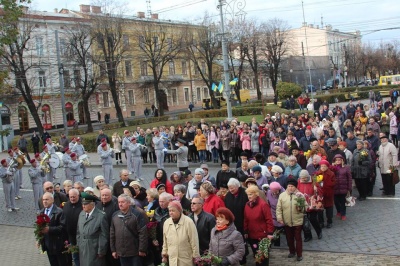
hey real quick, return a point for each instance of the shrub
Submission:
(287, 89)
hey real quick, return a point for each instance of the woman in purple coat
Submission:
(275, 189)
(343, 185)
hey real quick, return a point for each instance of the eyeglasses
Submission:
(194, 203)
(49, 188)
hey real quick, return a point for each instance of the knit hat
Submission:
(135, 183)
(204, 166)
(250, 180)
(98, 178)
(199, 171)
(282, 151)
(273, 154)
(88, 189)
(304, 173)
(292, 182)
(338, 156)
(256, 168)
(276, 169)
(175, 204)
(324, 162)
(275, 186)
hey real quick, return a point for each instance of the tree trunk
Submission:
(87, 114)
(259, 93)
(22, 87)
(114, 94)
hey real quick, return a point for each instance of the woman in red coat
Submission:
(161, 178)
(258, 223)
(328, 191)
(211, 201)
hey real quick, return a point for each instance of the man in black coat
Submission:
(204, 222)
(54, 233)
(122, 186)
(334, 150)
(305, 142)
(224, 174)
(58, 197)
(70, 217)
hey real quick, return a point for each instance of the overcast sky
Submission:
(370, 17)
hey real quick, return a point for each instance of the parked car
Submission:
(310, 88)
(330, 84)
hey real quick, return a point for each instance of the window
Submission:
(128, 68)
(125, 40)
(206, 93)
(169, 41)
(174, 96)
(171, 67)
(198, 94)
(42, 79)
(39, 46)
(186, 92)
(141, 42)
(106, 102)
(103, 69)
(196, 70)
(155, 42)
(146, 95)
(143, 68)
(67, 79)
(77, 78)
(100, 40)
(63, 47)
(184, 68)
(203, 68)
(131, 97)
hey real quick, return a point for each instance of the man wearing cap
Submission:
(388, 157)
(75, 168)
(92, 234)
(181, 155)
(106, 156)
(66, 158)
(334, 150)
(126, 141)
(54, 233)
(136, 155)
(36, 175)
(224, 174)
(158, 142)
(79, 150)
(7, 178)
(128, 233)
(99, 147)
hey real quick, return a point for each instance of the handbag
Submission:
(350, 201)
(212, 142)
(395, 177)
(306, 224)
(315, 203)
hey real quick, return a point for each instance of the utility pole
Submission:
(61, 79)
(227, 88)
(304, 67)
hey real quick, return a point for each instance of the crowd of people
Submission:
(283, 175)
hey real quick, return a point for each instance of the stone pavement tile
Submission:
(18, 247)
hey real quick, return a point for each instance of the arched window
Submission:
(46, 117)
(69, 109)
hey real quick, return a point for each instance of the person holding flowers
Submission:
(327, 185)
(289, 213)
(360, 169)
(258, 222)
(343, 185)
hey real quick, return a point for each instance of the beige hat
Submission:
(277, 169)
(89, 189)
(133, 183)
(98, 178)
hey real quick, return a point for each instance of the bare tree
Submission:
(79, 50)
(203, 48)
(275, 44)
(16, 31)
(159, 45)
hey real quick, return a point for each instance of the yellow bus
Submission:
(389, 80)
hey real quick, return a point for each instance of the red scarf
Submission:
(221, 228)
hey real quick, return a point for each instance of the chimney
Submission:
(154, 16)
(140, 15)
(96, 9)
(55, 10)
(85, 8)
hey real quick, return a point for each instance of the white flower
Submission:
(388, 171)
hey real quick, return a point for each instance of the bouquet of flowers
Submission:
(70, 249)
(207, 259)
(363, 155)
(300, 202)
(264, 245)
(42, 220)
(391, 169)
(318, 178)
(152, 227)
(62, 205)
(307, 154)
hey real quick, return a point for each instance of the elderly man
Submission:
(36, 175)
(58, 197)
(204, 222)
(70, 217)
(161, 214)
(92, 233)
(128, 233)
(388, 160)
(136, 154)
(79, 186)
(53, 233)
(122, 186)
(106, 156)
(7, 178)
(182, 155)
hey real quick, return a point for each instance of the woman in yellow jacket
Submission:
(200, 143)
(292, 216)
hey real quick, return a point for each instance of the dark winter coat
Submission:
(205, 223)
(360, 169)
(70, 219)
(343, 180)
(53, 241)
(236, 204)
(223, 177)
(328, 187)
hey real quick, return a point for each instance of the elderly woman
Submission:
(343, 185)
(258, 223)
(181, 241)
(292, 218)
(152, 199)
(191, 186)
(327, 187)
(99, 182)
(314, 166)
(278, 176)
(293, 169)
(211, 201)
(360, 169)
(243, 172)
(306, 186)
(160, 177)
(226, 242)
(140, 196)
(176, 178)
(275, 189)
(282, 157)
(372, 167)
(180, 195)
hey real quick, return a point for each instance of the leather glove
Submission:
(225, 262)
